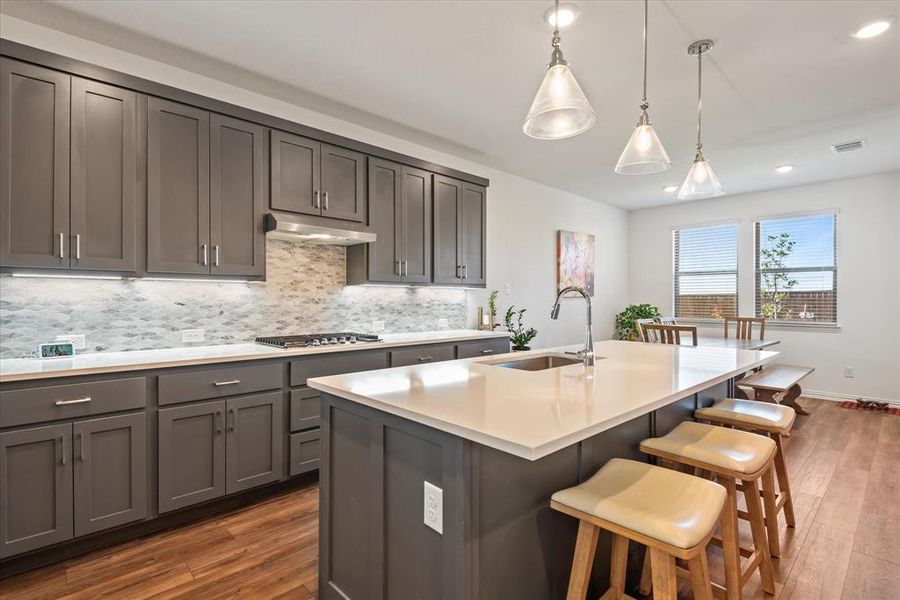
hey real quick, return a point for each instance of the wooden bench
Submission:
(779, 384)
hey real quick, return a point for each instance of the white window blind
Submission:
(796, 269)
(706, 271)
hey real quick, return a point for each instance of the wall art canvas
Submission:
(575, 260)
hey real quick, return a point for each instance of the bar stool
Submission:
(731, 455)
(773, 420)
(672, 513)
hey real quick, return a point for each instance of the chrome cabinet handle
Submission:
(458, 276)
(399, 267)
(77, 401)
(233, 417)
(465, 272)
(325, 195)
(425, 358)
(204, 248)
(77, 246)
(487, 351)
(316, 199)
(82, 449)
(219, 422)
(406, 267)
(216, 255)
(62, 245)
(229, 382)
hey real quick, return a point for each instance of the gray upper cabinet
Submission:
(191, 454)
(177, 188)
(237, 197)
(34, 166)
(255, 441)
(473, 226)
(104, 177)
(35, 488)
(110, 469)
(447, 239)
(384, 254)
(312, 178)
(415, 225)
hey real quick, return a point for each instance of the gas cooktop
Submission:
(317, 339)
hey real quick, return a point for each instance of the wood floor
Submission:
(845, 473)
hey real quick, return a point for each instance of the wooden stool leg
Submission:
(730, 541)
(617, 568)
(700, 582)
(784, 485)
(645, 585)
(768, 486)
(758, 527)
(585, 548)
(665, 581)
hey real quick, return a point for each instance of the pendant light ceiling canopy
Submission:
(560, 109)
(701, 182)
(644, 153)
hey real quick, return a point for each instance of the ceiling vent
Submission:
(848, 146)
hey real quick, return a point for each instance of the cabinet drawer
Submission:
(482, 348)
(306, 409)
(421, 354)
(33, 405)
(337, 363)
(305, 451)
(218, 382)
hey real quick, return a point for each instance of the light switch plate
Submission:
(193, 335)
(508, 289)
(434, 507)
(77, 340)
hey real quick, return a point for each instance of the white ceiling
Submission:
(784, 81)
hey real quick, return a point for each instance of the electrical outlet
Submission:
(508, 289)
(193, 335)
(377, 326)
(443, 323)
(77, 340)
(850, 372)
(434, 507)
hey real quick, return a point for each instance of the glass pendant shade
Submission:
(700, 182)
(560, 109)
(644, 153)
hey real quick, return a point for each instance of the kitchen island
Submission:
(497, 436)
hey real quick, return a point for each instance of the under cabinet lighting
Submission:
(186, 280)
(66, 276)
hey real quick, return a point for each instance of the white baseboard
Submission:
(844, 397)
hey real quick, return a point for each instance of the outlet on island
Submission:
(434, 507)
(189, 336)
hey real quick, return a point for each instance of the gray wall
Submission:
(304, 293)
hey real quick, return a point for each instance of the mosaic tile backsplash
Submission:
(304, 293)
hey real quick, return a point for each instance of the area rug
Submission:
(872, 406)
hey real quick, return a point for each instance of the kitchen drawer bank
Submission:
(93, 460)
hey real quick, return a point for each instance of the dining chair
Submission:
(639, 326)
(745, 327)
(666, 320)
(658, 333)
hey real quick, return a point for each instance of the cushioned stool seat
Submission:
(727, 449)
(672, 507)
(763, 416)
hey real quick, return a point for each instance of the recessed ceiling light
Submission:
(670, 188)
(784, 168)
(567, 14)
(870, 30)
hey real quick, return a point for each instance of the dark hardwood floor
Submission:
(845, 473)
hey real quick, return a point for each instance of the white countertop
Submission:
(534, 413)
(21, 369)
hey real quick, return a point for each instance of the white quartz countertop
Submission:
(534, 413)
(22, 369)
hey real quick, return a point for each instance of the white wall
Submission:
(868, 276)
(523, 216)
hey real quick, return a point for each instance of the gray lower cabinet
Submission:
(255, 444)
(35, 488)
(482, 348)
(110, 470)
(191, 454)
(306, 449)
(419, 355)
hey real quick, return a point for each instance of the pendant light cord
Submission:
(644, 104)
(699, 99)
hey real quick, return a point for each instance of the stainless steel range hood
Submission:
(285, 226)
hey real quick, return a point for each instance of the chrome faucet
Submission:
(587, 355)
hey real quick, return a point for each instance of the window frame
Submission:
(736, 271)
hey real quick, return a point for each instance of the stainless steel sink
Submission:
(538, 363)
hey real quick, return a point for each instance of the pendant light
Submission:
(644, 153)
(700, 182)
(560, 109)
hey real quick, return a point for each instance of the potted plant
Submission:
(625, 326)
(518, 334)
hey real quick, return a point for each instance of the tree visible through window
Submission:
(706, 271)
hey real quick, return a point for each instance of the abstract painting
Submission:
(575, 260)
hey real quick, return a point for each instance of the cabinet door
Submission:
(191, 454)
(255, 441)
(343, 184)
(295, 174)
(110, 462)
(415, 225)
(177, 188)
(104, 177)
(473, 231)
(237, 190)
(384, 254)
(35, 488)
(34, 166)
(447, 250)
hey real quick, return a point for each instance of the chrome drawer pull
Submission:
(487, 351)
(230, 382)
(425, 358)
(78, 401)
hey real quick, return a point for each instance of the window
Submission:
(706, 272)
(796, 272)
